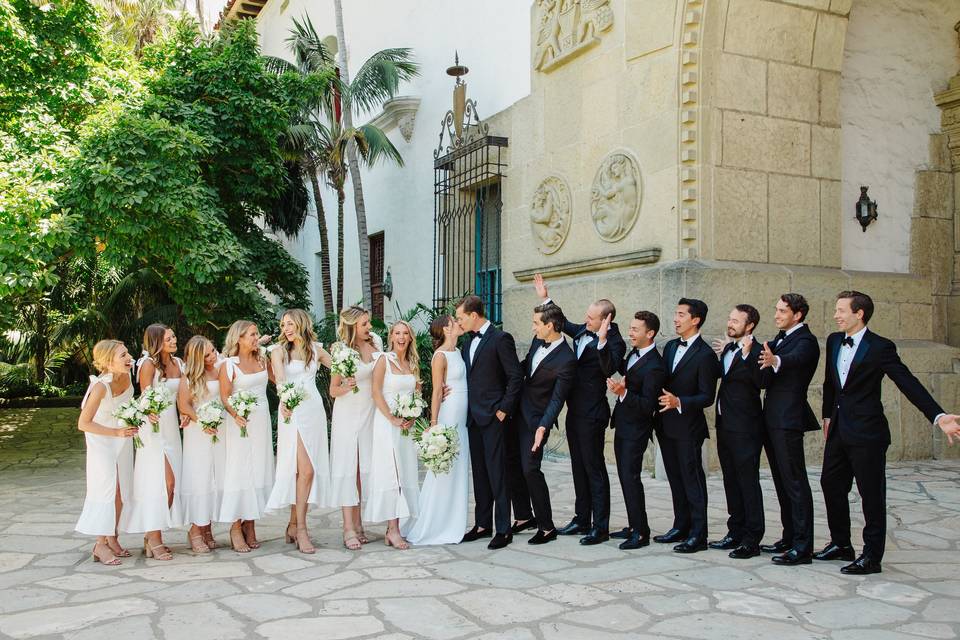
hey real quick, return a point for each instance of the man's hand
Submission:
(668, 401)
(538, 438)
(604, 328)
(720, 344)
(747, 345)
(446, 392)
(540, 286)
(501, 416)
(826, 428)
(617, 387)
(767, 359)
(950, 425)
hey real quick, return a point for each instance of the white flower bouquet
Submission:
(154, 401)
(345, 361)
(130, 414)
(291, 395)
(409, 406)
(243, 402)
(437, 447)
(210, 417)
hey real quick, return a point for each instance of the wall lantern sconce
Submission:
(866, 209)
(388, 285)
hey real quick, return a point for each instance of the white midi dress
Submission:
(200, 490)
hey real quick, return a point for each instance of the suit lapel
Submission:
(642, 358)
(546, 359)
(858, 357)
(484, 339)
(691, 348)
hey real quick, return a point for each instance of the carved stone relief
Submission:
(550, 213)
(567, 27)
(615, 197)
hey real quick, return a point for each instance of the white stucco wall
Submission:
(898, 54)
(493, 39)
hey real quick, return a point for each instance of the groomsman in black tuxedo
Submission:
(787, 364)
(856, 431)
(740, 433)
(634, 415)
(494, 378)
(549, 371)
(692, 372)
(588, 414)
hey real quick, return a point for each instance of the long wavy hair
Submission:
(305, 335)
(231, 344)
(347, 330)
(436, 330)
(195, 366)
(411, 356)
(153, 337)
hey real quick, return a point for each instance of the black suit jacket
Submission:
(494, 378)
(635, 417)
(739, 394)
(785, 404)
(855, 410)
(588, 399)
(546, 389)
(694, 382)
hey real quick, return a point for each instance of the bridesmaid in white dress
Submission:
(155, 505)
(394, 477)
(248, 469)
(444, 499)
(352, 424)
(303, 461)
(109, 450)
(198, 484)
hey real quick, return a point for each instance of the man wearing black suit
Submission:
(691, 385)
(856, 431)
(787, 366)
(494, 378)
(549, 371)
(634, 415)
(740, 433)
(588, 414)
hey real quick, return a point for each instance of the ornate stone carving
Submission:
(566, 28)
(550, 213)
(615, 197)
(399, 112)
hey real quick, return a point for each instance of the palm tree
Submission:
(137, 23)
(378, 80)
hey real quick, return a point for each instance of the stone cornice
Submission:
(606, 263)
(400, 112)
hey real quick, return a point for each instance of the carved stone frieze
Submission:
(550, 213)
(615, 196)
(565, 28)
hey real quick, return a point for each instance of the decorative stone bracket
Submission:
(400, 112)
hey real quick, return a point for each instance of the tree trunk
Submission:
(42, 345)
(362, 236)
(201, 17)
(341, 198)
(328, 306)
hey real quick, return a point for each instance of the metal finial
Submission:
(457, 70)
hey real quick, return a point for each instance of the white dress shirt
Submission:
(632, 360)
(682, 350)
(846, 355)
(542, 353)
(728, 356)
(776, 359)
(582, 343)
(476, 340)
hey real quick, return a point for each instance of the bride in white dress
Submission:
(444, 499)
(394, 479)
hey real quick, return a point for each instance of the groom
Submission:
(494, 379)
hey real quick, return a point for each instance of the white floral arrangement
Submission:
(130, 414)
(437, 446)
(409, 406)
(291, 395)
(344, 361)
(210, 417)
(154, 401)
(243, 402)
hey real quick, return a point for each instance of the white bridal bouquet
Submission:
(344, 361)
(439, 447)
(154, 401)
(409, 406)
(243, 403)
(291, 395)
(210, 417)
(130, 414)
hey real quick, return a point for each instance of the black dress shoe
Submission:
(861, 566)
(518, 526)
(543, 538)
(475, 534)
(635, 542)
(726, 543)
(791, 558)
(777, 547)
(836, 552)
(573, 529)
(745, 551)
(623, 534)
(674, 535)
(500, 541)
(691, 545)
(596, 536)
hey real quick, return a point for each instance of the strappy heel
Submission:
(122, 553)
(362, 536)
(253, 544)
(112, 562)
(242, 546)
(290, 539)
(302, 549)
(197, 547)
(402, 545)
(351, 536)
(209, 540)
(151, 551)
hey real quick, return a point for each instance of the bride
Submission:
(442, 516)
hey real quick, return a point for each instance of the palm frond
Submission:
(379, 146)
(308, 48)
(380, 76)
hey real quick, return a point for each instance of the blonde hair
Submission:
(104, 352)
(305, 333)
(195, 366)
(231, 344)
(412, 357)
(347, 331)
(153, 337)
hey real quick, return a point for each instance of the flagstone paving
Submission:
(50, 588)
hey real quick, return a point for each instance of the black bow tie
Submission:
(633, 352)
(731, 346)
(682, 343)
(474, 334)
(590, 334)
(847, 341)
(780, 336)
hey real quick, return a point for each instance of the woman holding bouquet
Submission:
(444, 499)
(352, 421)
(303, 462)
(109, 450)
(394, 479)
(203, 449)
(155, 505)
(248, 469)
